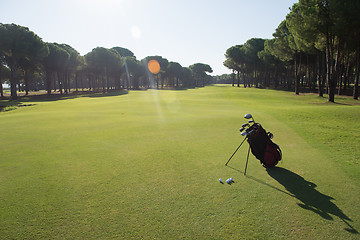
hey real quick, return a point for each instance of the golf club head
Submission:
(245, 125)
(251, 121)
(248, 116)
(242, 129)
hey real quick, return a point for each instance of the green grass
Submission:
(145, 165)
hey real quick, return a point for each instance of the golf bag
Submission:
(262, 147)
(260, 144)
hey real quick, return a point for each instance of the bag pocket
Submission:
(272, 155)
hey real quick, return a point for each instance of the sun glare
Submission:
(154, 66)
(136, 32)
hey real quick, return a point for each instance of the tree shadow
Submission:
(310, 198)
(22, 101)
(101, 94)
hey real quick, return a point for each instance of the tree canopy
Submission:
(56, 67)
(318, 42)
(19, 46)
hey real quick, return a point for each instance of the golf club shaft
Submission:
(235, 151)
(247, 159)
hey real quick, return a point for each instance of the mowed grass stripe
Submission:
(146, 165)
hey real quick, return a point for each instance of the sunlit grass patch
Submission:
(145, 165)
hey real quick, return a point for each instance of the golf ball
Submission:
(220, 180)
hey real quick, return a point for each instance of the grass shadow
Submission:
(175, 88)
(303, 190)
(106, 94)
(260, 181)
(12, 105)
(7, 104)
(311, 199)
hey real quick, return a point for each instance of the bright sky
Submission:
(183, 31)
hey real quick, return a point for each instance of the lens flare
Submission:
(136, 32)
(154, 66)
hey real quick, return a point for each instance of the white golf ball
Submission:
(220, 180)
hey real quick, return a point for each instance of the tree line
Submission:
(27, 63)
(316, 47)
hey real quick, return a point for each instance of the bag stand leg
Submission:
(247, 159)
(235, 151)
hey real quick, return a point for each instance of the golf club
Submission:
(248, 116)
(271, 136)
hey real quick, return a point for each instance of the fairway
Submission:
(146, 164)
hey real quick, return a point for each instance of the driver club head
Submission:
(248, 116)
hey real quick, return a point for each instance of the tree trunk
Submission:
(1, 86)
(26, 79)
(347, 73)
(314, 75)
(107, 83)
(54, 79)
(276, 77)
(321, 73)
(60, 82)
(66, 82)
(89, 82)
(341, 79)
(289, 79)
(1, 90)
(103, 83)
(255, 77)
(356, 83)
(329, 68)
(233, 78)
(76, 81)
(307, 73)
(162, 82)
(48, 82)
(250, 79)
(337, 73)
(238, 78)
(297, 71)
(13, 81)
(244, 79)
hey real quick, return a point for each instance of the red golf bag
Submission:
(262, 147)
